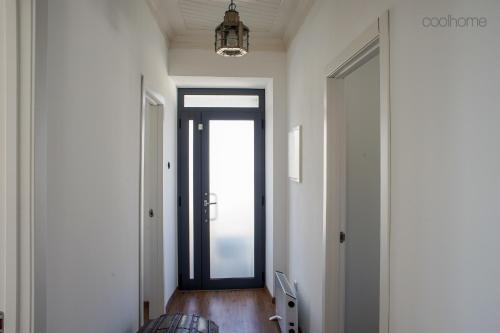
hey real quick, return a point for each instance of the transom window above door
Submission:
(221, 101)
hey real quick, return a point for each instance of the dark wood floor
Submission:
(234, 311)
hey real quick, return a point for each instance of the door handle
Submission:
(151, 213)
(207, 203)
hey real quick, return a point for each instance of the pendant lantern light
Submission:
(231, 36)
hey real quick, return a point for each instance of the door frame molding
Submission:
(375, 39)
(147, 96)
(17, 161)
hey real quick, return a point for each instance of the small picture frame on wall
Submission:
(294, 154)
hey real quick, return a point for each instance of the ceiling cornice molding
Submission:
(162, 21)
(297, 19)
(204, 41)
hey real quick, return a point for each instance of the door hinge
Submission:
(200, 127)
(180, 124)
(263, 201)
(179, 201)
(180, 279)
(263, 124)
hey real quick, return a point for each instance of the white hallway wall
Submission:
(256, 64)
(90, 55)
(445, 161)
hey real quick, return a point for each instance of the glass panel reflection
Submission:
(231, 172)
(191, 195)
(221, 101)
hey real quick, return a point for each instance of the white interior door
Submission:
(362, 227)
(153, 210)
(9, 165)
(3, 113)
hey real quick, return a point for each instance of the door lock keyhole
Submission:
(151, 213)
(342, 237)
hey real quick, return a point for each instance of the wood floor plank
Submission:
(234, 311)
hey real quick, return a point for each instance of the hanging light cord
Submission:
(232, 5)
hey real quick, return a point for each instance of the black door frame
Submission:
(201, 182)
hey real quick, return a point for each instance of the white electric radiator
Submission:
(286, 304)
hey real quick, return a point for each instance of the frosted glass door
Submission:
(231, 198)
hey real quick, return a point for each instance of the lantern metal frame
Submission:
(232, 36)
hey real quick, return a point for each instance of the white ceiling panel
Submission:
(193, 21)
